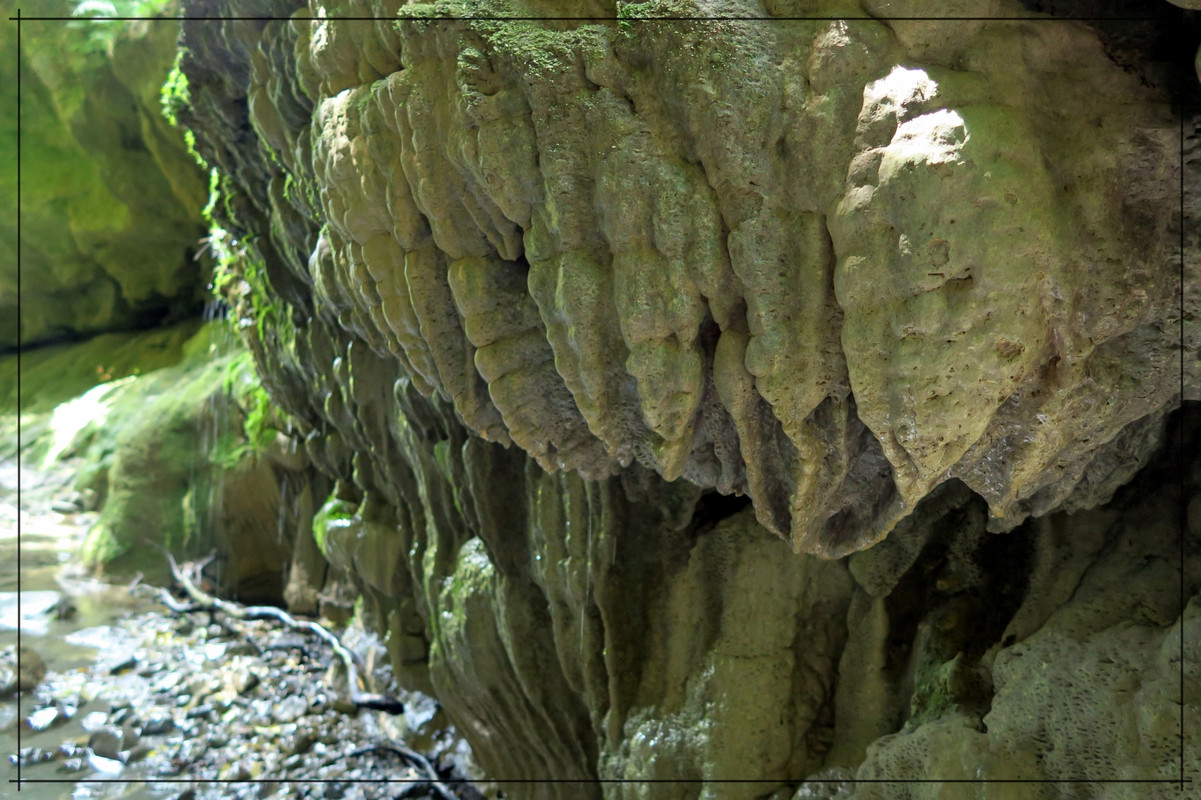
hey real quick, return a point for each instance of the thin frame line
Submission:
(18, 18)
(493, 18)
(772, 781)
(1183, 510)
(20, 571)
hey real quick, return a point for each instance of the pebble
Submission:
(107, 741)
(43, 718)
(72, 765)
(137, 753)
(93, 721)
(204, 711)
(244, 680)
(289, 709)
(30, 755)
(105, 766)
(302, 742)
(30, 673)
(158, 723)
(65, 507)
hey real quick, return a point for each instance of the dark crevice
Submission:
(712, 508)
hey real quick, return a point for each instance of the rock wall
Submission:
(591, 321)
(110, 198)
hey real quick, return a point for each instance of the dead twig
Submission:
(416, 759)
(355, 694)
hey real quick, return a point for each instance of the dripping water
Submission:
(207, 478)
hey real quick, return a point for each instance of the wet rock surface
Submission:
(178, 709)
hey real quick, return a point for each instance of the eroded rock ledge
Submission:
(828, 265)
(545, 296)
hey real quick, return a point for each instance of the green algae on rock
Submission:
(110, 197)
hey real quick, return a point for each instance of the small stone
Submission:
(107, 742)
(72, 765)
(200, 686)
(105, 766)
(137, 753)
(124, 665)
(65, 507)
(302, 742)
(151, 669)
(43, 718)
(20, 674)
(237, 771)
(203, 711)
(31, 755)
(289, 709)
(130, 729)
(167, 682)
(64, 609)
(93, 721)
(158, 723)
(244, 680)
(69, 750)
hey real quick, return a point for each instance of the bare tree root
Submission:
(417, 760)
(204, 601)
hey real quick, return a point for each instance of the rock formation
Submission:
(110, 198)
(591, 320)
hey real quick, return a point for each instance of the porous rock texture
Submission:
(110, 199)
(554, 300)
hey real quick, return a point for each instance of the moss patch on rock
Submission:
(110, 197)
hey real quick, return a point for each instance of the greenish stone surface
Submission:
(586, 323)
(110, 198)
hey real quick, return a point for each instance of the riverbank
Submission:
(137, 702)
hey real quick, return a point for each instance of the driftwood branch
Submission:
(203, 600)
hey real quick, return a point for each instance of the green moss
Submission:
(174, 95)
(53, 375)
(334, 512)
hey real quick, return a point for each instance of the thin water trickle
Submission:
(206, 478)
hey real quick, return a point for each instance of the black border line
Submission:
(1181, 779)
(20, 571)
(1183, 510)
(455, 781)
